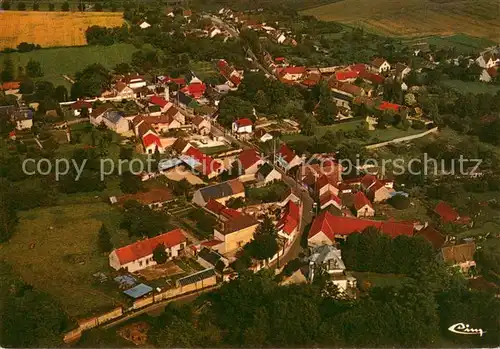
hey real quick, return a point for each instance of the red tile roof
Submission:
(12, 85)
(248, 158)
(195, 90)
(359, 67)
(178, 81)
(243, 122)
(446, 212)
(279, 59)
(151, 138)
(360, 200)
(210, 243)
(207, 163)
(293, 70)
(346, 75)
(329, 196)
(436, 239)
(214, 206)
(290, 219)
(287, 154)
(493, 71)
(389, 106)
(332, 225)
(374, 78)
(144, 248)
(154, 195)
(81, 104)
(158, 101)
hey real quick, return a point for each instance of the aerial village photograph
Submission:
(249, 174)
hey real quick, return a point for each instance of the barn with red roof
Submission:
(327, 227)
(139, 255)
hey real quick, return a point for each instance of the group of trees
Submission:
(254, 311)
(142, 221)
(97, 35)
(91, 81)
(30, 318)
(377, 252)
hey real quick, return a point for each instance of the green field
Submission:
(203, 69)
(471, 87)
(55, 250)
(461, 42)
(68, 60)
(375, 136)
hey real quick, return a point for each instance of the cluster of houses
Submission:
(282, 36)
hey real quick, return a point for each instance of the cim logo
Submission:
(462, 328)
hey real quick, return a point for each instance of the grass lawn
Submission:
(55, 249)
(416, 210)
(203, 69)
(68, 60)
(472, 87)
(461, 42)
(215, 150)
(376, 136)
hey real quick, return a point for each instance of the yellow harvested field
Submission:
(49, 29)
(411, 18)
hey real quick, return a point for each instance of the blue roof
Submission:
(113, 116)
(165, 164)
(138, 291)
(125, 280)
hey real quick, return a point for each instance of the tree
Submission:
(27, 87)
(65, 6)
(6, 5)
(326, 109)
(159, 254)
(104, 240)
(91, 82)
(235, 203)
(21, 6)
(61, 94)
(130, 183)
(232, 108)
(98, 7)
(125, 152)
(399, 202)
(51, 7)
(7, 73)
(265, 244)
(181, 188)
(8, 219)
(34, 69)
(30, 318)
(141, 220)
(36, 6)
(122, 68)
(410, 99)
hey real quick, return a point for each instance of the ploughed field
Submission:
(415, 18)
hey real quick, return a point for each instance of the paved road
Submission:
(236, 34)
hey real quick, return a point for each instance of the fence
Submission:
(402, 139)
(96, 321)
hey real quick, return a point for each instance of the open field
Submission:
(460, 42)
(55, 250)
(57, 62)
(49, 29)
(412, 18)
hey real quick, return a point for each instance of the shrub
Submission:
(418, 125)
(399, 202)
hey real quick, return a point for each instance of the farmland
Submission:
(413, 18)
(471, 87)
(55, 250)
(68, 60)
(49, 29)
